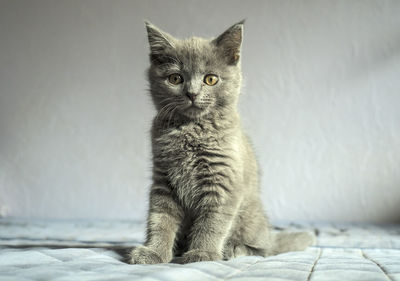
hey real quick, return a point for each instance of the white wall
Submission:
(321, 102)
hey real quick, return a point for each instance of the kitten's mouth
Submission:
(194, 106)
(193, 110)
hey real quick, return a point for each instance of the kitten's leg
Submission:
(208, 234)
(252, 235)
(236, 248)
(249, 241)
(164, 219)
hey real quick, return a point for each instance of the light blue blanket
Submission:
(87, 250)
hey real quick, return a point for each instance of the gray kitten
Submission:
(204, 200)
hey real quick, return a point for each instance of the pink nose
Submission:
(191, 96)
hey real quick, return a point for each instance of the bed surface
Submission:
(94, 250)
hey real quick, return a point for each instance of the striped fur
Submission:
(204, 201)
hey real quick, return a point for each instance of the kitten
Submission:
(205, 197)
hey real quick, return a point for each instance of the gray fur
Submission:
(204, 200)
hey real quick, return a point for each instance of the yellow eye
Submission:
(211, 79)
(175, 79)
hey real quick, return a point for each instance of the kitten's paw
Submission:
(293, 241)
(199, 255)
(241, 250)
(145, 255)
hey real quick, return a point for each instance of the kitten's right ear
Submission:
(159, 41)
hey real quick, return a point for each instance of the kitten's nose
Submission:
(191, 96)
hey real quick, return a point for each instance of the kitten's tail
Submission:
(292, 241)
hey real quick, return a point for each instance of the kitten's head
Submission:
(195, 77)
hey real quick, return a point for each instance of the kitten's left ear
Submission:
(230, 42)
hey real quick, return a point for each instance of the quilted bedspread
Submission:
(96, 250)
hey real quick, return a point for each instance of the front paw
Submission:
(197, 255)
(145, 255)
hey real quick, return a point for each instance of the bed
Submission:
(96, 250)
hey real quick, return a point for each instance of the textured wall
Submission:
(321, 102)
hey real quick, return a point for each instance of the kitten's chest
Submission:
(176, 149)
(188, 156)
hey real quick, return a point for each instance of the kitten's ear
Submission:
(230, 42)
(159, 41)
